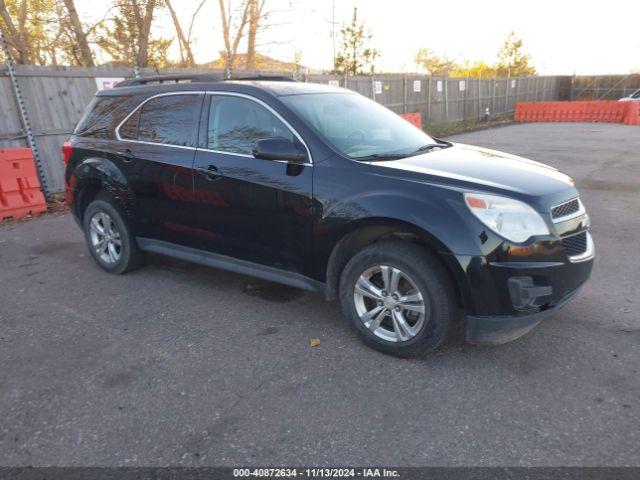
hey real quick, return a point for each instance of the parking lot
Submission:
(178, 364)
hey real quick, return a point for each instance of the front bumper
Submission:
(508, 292)
(505, 328)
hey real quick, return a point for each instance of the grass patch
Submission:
(441, 130)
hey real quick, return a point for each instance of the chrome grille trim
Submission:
(587, 254)
(567, 210)
(575, 244)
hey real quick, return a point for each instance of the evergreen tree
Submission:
(355, 57)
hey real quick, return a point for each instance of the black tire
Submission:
(430, 278)
(130, 256)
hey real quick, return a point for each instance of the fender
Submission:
(435, 220)
(102, 174)
(439, 216)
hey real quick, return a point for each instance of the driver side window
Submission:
(235, 123)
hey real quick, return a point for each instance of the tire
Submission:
(125, 255)
(422, 280)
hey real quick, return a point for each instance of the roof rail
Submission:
(200, 77)
(270, 78)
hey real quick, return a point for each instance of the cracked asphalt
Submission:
(178, 364)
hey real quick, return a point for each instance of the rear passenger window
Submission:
(102, 116)
(168, 119)
(235, 123)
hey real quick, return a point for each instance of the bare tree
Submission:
(145, 30)
(125, 36)
(256, 12)
(16, 36)
(186, 55)
(232, 39)
(80, 35)
(193, 19)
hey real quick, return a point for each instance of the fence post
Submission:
(465, 108)
(538, 86)
(373, 88)
(428, 99)
(446, 96)
(136, 68)
(572, 87)
(506, 93)
(24, 116)
(479, 95)
(405, 107)
(493, 95)
(538, 91)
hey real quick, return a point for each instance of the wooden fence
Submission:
(55, 98)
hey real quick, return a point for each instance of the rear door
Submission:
(252, 209)
(157, 148)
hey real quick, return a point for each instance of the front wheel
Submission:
(398, 297)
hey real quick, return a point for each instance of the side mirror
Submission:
(278, 148)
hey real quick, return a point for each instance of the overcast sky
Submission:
(562, 36)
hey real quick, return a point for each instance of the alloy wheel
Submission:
(389, 303)
(105, 237)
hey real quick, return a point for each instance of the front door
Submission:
(252, 209)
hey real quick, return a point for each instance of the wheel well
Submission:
(87, 195)
(363, 236)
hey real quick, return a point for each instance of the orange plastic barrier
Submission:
(582, 111)
(413, 118)
(632, 116)
(19, 185)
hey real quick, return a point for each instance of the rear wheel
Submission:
(398, 297)
(109, 238)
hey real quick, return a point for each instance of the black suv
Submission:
(323, 189)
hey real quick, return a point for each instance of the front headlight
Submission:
(514, 220)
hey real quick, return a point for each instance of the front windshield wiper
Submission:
(431, 146)
(382, 156)
(398, 156)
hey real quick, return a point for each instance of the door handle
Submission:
(126, 154)
(210, 172)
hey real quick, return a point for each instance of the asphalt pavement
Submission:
(178, 364)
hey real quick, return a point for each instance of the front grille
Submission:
(565, 209)
(575, 244)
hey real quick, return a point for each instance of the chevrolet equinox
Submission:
(323, 189)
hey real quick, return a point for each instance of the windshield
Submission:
(358, 127)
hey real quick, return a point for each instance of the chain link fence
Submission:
(600, 87)
(442, 99)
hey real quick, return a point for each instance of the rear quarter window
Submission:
(102, 116)
(129, 129)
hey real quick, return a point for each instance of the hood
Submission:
(487, 168)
